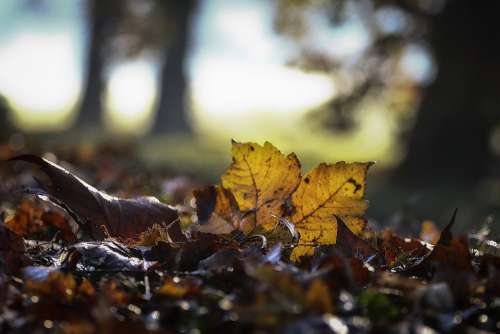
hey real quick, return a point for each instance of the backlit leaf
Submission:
(261, 179)
(325, 192)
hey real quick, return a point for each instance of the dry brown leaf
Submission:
(217, 210)
(30, 219)
(98, 213)
(156, 233)
(27, 220)
(449, 253)
(351, 245)
(319, 297)
(12, 250)
(60, 222)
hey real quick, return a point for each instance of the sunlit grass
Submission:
(374, 138)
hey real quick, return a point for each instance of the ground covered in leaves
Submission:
(268, 250)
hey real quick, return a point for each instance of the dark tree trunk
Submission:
(450, 140)
(172, 116)
(91, 105)
(5, 125)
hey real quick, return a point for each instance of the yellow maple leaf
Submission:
(261, 179)
(327, 191)
(267, 185)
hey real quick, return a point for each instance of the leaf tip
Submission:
(28, 158)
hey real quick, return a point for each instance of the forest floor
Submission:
(403, 273)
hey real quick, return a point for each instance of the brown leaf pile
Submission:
(225, 265)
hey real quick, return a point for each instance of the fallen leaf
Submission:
(345, 273)
(400, 253)
(60, 222)
(156, 233)
(267, 188)
(455, 255)
(261, 179)
(450, 253)
(184, 280)
(280, 284)
(351, 245)
(446, 235)
(27, 220)
(325, 192)
(31, 219)
(283, 231)
(217, 210)
(98, 213)
(105, 256)
(152, 236)
(318, 297)
(205, 199)
(12, 250)
(220, 260)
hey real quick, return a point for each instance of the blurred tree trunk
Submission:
(450, 140)
(91, 106)
(6, 128)
(172, 114)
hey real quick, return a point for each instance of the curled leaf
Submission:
(96, 212)
(103, 256)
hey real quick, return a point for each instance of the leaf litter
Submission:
(267, 250)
